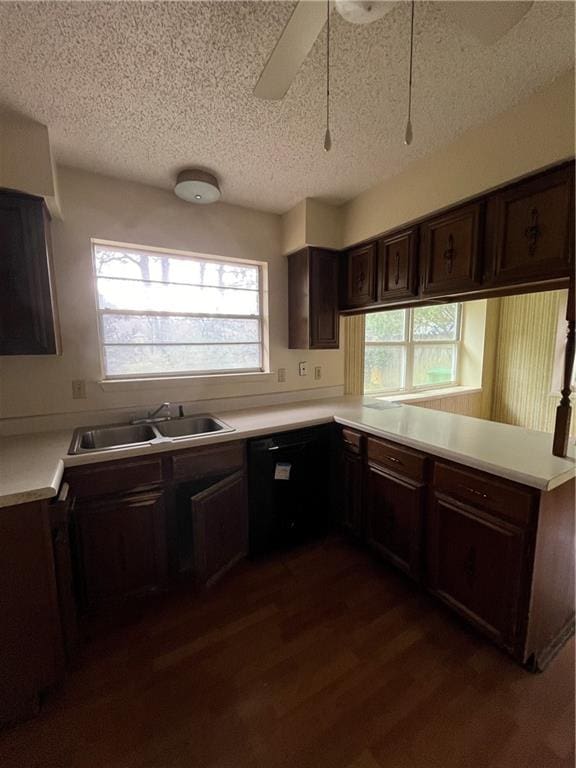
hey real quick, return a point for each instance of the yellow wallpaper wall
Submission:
(353, 328)
(525, 360)
(466, 404)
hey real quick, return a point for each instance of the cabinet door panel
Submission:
(351, 468)
(450, 251)
(26, 298)
(475, 564)
(534, 224)
(324, 317)
(360, 288)
(220, 526)
(397, 267)
(394, 519)
(122, 542)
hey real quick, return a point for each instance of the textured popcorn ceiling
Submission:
(139, 90)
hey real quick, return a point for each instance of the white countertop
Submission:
(31, 466)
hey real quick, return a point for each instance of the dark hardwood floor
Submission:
(322, 658)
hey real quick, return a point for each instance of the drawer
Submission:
(113, 476)
(211, 460)
(352, 441)
(401, 461)
(485, 492)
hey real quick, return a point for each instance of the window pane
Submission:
(147, 359)
(434, 364)
(133, 294)
(386, 326)
(142, 329)
(383, 368)
(435, 323)
(135, 265)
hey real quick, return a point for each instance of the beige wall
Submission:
(526, 344)
(100, 207)
(311, 222)
(536, 133)
(26, 159)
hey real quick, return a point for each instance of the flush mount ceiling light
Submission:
(197, 186)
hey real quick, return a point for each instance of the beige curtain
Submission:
(354, 354)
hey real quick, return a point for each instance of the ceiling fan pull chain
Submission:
(327, 136)
(409, 135)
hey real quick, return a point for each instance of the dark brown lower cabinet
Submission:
(220, 526)
(475, 565)
(394, 518)
(122, 546)
(350, 501)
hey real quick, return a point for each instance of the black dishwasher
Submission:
(289, 488)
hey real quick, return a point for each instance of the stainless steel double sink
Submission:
(106, 438)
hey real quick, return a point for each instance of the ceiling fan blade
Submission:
(489, 20)
(293, 46)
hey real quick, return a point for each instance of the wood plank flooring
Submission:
(323, 658)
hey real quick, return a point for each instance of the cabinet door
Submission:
(398, 266)
(122, 546)
(450, 251)
(26, 295)
(394, 519)
(360, 288)
(351, 479)
(475, 565)
(220, 527)
(324, 317)
(533, 228)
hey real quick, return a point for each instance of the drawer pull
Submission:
(474, 492)
(350, 443)
(394, 459)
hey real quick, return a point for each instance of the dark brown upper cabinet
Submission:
(27, 305)
(398, 266)
(532, 228)
(450, 248)
(313, 299)
(359, 288)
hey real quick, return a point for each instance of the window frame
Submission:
(408, 344)
(262, 317)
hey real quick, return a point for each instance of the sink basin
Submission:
(190, 426)
(89, 439)
(105, 438)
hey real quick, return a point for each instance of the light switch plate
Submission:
(317, 372)
(303, 369)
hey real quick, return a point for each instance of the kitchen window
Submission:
(166, 314)
(410, 350)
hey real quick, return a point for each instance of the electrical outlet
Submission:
(78, 389)
(281, 375)
(303, 369)
(317, 372)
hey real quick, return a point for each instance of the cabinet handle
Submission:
(394, 459)
(533, 232)
(64, 490)
(360, 281)
(449, 254)
(474, 492)
(351, 444)
(397, 276)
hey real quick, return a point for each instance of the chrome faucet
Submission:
(153, 415)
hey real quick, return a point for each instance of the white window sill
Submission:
(124, 385)
(429, 394)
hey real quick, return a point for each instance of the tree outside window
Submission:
(408, 350)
